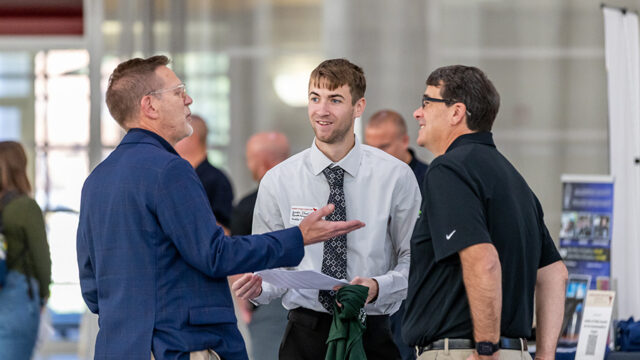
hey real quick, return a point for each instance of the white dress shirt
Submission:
(379, 189)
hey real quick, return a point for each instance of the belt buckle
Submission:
(421, 349)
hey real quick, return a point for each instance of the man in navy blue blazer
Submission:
(153, 263)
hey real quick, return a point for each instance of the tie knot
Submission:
(334, 175)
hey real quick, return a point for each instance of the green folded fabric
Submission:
(348, 325)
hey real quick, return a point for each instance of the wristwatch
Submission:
(486, 348)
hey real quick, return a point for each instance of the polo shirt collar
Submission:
(481, 137)
(350, 163)
(138, 135)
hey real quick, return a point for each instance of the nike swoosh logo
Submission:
(448, 236)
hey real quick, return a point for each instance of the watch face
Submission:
(485, 348)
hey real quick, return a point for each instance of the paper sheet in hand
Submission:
(300, 279)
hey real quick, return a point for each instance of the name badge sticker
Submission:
(300, 212)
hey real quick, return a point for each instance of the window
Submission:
(206, 76)
(61, 90)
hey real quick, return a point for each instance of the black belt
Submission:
(466, 344)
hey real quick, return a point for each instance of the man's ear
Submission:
(359, 107)
(148, 108)
(459, 113)
(405, 140)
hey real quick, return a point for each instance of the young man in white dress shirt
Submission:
(373, 186)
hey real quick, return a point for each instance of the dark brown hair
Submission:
(332, 74)
(129, 82)
(13, 168)
(470, 86)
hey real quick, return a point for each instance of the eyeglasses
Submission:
(181, 87)
(426, 99)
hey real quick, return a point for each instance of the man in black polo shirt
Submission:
(480, 247)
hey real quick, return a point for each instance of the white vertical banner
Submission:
(623, 83)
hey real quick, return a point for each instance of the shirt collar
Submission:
(483, 137)
(138, 134)
(350, 163)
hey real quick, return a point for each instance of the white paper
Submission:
(300, 279)
(595, 325)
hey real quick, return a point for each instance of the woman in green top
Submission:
(27, 283)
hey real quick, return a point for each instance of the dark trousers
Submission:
(305, 337)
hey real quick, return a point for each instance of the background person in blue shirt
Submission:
(153, 263)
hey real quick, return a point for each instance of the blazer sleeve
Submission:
(184, 215)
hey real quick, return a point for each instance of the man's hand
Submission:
(372, 284)
(314, 229)
(249, 286)
(244, 306)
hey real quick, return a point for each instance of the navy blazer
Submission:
(153, 263)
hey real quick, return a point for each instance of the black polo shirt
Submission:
(473, 195)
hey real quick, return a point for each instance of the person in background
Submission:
(266, 322)
(363, 182)
(216, 184)
(387, 131)
(153, 263)
(264, 151)
(26, 288)
(480, 247)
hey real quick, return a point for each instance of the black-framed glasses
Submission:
(427, 99)
(181, 87)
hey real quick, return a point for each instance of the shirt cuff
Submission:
(265, 296)
(387, 293)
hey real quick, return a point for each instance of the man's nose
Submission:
(323, 108)
(417, 114)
